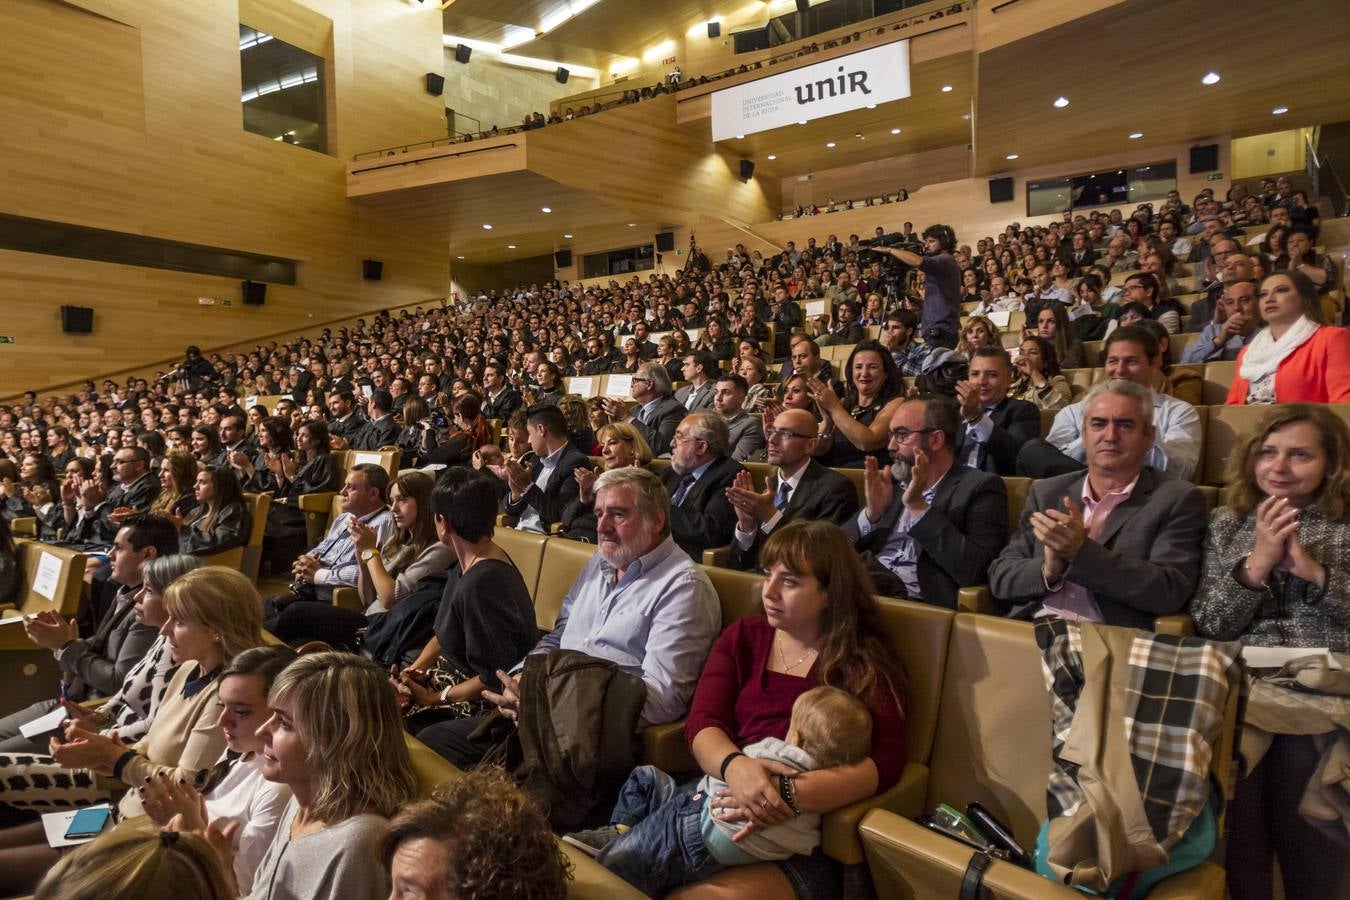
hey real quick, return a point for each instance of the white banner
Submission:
(861, 79)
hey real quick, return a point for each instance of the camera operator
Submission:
(942, 284)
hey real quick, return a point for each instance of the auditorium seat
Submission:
(1225, 426)
(53, 578)
(561, 563)
(241, 558)
(1218, 379)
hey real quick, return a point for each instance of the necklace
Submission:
(782, 661)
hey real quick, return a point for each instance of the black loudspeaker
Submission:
(255, 293)
(435, 84)
(372, 269)
(562, 259)
(1000, 190)
(665, 241)
(1204, 158)
(747, 170)
(803, 5)
(561, 75)
(77, 319)
(714, 29)
(462, 53)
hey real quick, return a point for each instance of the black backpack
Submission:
(403, 631)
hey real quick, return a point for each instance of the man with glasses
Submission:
(1210, 279)
(700, 473)
(934, 527)
(93, 516)
(801, 488)
(657, 414)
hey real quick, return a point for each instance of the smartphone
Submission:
(89, 823)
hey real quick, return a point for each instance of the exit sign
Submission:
(6, 339)
(1214, 176)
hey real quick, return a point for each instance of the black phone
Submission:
(999, 835)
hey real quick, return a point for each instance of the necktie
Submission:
(685, 484)
(780, 501)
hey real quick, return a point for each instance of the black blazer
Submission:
(1015, 423)
(139, 495)
(705, 517)
(661, 424)
(503, 405)
(963, 531)
(377, 434)
(560, 489)
(821, 494)
(231, 529)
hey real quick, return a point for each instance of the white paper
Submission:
(55, 825)
(1278, 657)
(583, 386)
(43, 724)
(10, 620)
(250, 402)
(361, 459)
(367, 390)
(48, 574)
(692, 332)
(1000, 317)
(1256, 239)
(817, 307)
(620, 386)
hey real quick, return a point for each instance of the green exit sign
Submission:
(227, 302)
(6, 339)
(1214, 176)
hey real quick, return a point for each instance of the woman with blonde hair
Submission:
(132, 864)
(177, 474)
(977, 332)
(220, 521)
(1277, 574)
(620, 445)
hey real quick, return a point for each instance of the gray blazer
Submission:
(1145, 564)
(703, 397)
(747, 436)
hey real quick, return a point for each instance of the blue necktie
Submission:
(780, 501)
(685, 484)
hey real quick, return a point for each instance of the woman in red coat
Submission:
(1295, 358)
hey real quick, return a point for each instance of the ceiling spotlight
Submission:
(1061, 102)
(1210, 78)
(1136, 135)
(459, 257)
(801, 121)
(946, 89)
(487, 227)
(632, 224)
(510, 246)
(771, 156)
(871, 106)
(830, 145)
(895, 131)
(1279, 110)
(545, 209)
(740, 137)
(567, 235)
(1011, 156)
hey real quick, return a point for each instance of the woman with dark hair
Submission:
(36, 469)
(1277, 574)
(485, 622)
(417, 434)
(1273, 243)
(549, 378)
(1295, 358)
(1052, 323)
(471, 431)
(855, 427)
(207, 448)
(309, 470)
(220, 521)
(1300, 255)
(259, 474)
(1037, 377)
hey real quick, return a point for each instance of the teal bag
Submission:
(1194, 848)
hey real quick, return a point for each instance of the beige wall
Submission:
(873, 179)
(495, 93)
(149, 140)
(1269, 154)
(469, 280)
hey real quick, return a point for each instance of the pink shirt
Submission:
(1073, 601)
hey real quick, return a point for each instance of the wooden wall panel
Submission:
(166, 155)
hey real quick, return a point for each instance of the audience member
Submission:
(854, 427)
(996, 424)
(539, 494)
(657, 414)
(1040, 380)
(1233, 325)
(697, 479)
(1295, 358)
(127, 864)
(745, 435)
(220, 521)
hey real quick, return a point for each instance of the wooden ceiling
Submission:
(1136, 67)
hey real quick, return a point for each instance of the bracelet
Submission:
(122, 764)
(788, 791)
(722, 772)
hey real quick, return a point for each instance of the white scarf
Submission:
(1264, 354)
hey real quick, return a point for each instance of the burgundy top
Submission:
(738, 694)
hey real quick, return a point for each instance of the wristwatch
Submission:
(368, 555)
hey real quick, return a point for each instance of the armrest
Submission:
(505, 521)
(664, 746)
(347, 598)
(839, 829)
(717, 556)
(321, 502)
(1205, 881)
(555, 528)
(1180, 625)
(976, 599)
(26, 525)
(13, 637)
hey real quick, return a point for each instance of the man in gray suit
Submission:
(1119, 544)
(700, 370)
(745, 433)
(657, 414)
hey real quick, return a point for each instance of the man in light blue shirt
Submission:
(640, 602)
(1241, 322)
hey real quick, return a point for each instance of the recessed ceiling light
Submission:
(740, 137)
(1210, 78)
(801, 121)
(632, 224)
(771, 156)
(946, 89)
(871, 106)
(545, 209)
(830, 145)
(510, 246)
(1011, 156)
(895, 131)
(459, 257)
(966, 117)
(567, 235)
(1061, 102)
(487, 227)
(1279, 110)
(1136, 135)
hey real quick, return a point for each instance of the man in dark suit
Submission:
(700, 473)
(93, 517)
(642, 333)
(995, 427)
(381, 430)
(937, 529)
(500, 399)
(785, 315)
(801, 488)
(657, 414)
(347, 422)
(805, 360)
(1119, 544)
(538, 495)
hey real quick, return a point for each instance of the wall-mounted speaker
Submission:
(1000, 190)
(255, 293)
(435, 84)
(747, 169)
(77, 319)
(372, 269)
(665, 241)
(562, 259)
(462, 53)
(714, 29)
(1204, 158)
(561, 75)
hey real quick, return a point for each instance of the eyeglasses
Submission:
(640, 380)
(903, 434)
(783, 434)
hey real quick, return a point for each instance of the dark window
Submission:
(1111, 187)
(618, 262)
(283, 91)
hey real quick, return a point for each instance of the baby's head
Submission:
(831, 725)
